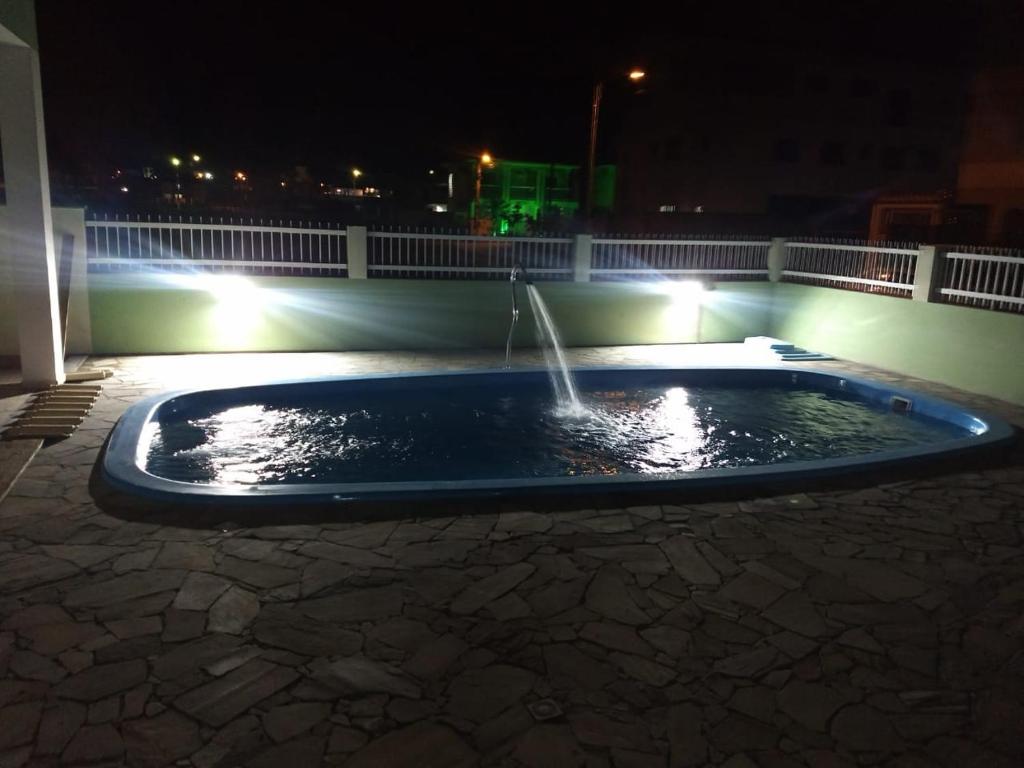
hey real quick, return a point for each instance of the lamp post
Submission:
(484, 159)
(176, 164)
(635, 76)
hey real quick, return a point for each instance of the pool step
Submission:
(784, 350)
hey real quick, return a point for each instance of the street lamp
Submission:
(176, 164)
(484, 159)
(356, 173)
(635, 75)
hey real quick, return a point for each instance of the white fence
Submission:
(449, 256)
(253, 247)
(631, 258)
(985, 278)
(978, 277)
(886, 268)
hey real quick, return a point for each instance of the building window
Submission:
(894, 158)
(666, 209)
(831, 153)
(817, 83)
(787, 151)
(927, 159)
(861, 87)
(673, 148)
(898, 107)
(523, 183)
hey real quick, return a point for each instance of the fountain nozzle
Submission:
(518, 273)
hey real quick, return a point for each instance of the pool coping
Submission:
(121, 467)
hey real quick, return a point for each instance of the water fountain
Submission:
(563, 384)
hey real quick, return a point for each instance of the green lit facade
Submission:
(516, 195)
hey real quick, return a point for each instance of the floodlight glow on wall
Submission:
(681, 316)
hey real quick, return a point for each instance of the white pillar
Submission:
(776, 259)
(29, 235)
(582, 250)
(926, 273)
(71, 221)
(355, 252)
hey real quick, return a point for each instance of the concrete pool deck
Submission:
(880, 624)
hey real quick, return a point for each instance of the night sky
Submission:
(260, 85)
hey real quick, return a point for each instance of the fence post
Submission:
(926, 273)
(582, 251)
(776, 259)
(355, 252)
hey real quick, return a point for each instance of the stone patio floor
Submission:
(876, 625)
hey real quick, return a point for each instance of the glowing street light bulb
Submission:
(486, 158)
(208, 176)
(196, 158)
(175, 161)
(240, 176)
(637, 74)
(356, 173)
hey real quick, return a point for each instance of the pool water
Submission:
(472, 431)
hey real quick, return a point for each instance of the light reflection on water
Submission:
(475, 433)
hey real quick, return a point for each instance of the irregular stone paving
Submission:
(878, 625)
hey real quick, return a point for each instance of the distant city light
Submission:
(438, 208)
(196, 158)
(283, 184)
(207, 175)
(431, 171)
(240, 176)
(124, 189)
(175, 161)
(637, 74)
(356, 173)
(198, 175)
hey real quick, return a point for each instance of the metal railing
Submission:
(254, 247)
(638, 257)
(460, 256)
(885, 268)
(988, 278)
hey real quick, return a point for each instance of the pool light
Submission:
(681, 316)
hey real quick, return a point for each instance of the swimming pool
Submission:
(498, 432)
